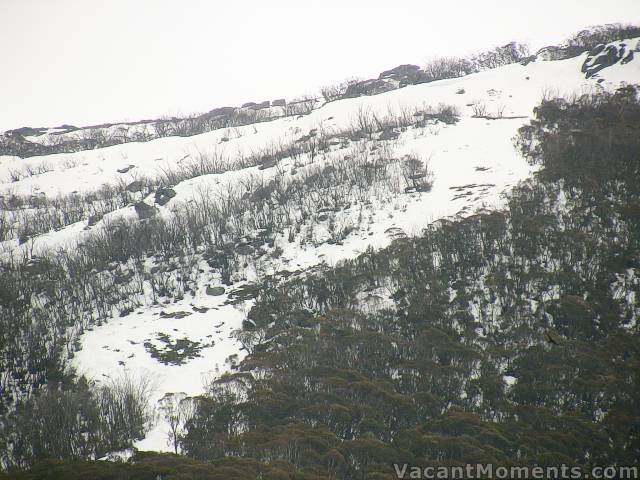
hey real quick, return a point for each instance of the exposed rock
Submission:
(200, 309)
(144, 210)
(28, 131)
(215, 291)
(176, 315)
(267, 162)
(135, 186)
(36, 265)
(405, 75)
(280, 102)
(555, 52)
(370, 87)
(123, 277)
(126, 169)
(93, 219)
(604, 56)
(244, 249)
(388, 134)
(220, 112)
(163, 195)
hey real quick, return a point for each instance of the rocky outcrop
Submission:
(125, 169)
(405, 75)
(604, 56)
(144, 210)
(163, 195)
(136, 186)
(555, 52)
(215, 291)
(370, 87)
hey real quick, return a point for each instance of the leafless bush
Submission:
(301, 106)
(124, 407)
(441, 68)
(176, 409)
(512, 52)
(447, 113)
(364, 124)
(417, 174)
(479, 108)
(334, 92)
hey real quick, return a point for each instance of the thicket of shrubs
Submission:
(76, 421)
(507, 337)
(589, 38)
(49, 299)
(25, 217)
(400, 383)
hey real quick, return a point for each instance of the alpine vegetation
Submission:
(436, 267)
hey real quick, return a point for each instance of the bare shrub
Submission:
(417, 174)
(337, 91)
(441, 68)
(301, 106)
(176, 409)
(479, 108)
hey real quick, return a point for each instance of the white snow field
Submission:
(474, 164)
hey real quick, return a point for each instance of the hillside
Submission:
(426, 271)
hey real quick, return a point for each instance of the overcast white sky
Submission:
(85, 62)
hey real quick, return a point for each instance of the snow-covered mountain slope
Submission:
(184, 343)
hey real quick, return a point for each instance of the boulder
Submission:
(126, 169)
(243, 249)
(603, 56)
(144, 210)
(93, 219)
(555, 52)
(163, 195)
(176, 315)
(215, 291)
(405, 75)
(135, 186)
(370, 87)
(267, 162)
(388, 134)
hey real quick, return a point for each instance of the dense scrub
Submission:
(48, 299)
(76, 420)
(507, 337)
(153, 466)
(589, 38)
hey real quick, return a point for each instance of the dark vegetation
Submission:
(539, 294)
(50, 298)
(27, 216)
(509, 337)
(590, 38)
(76, 421)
